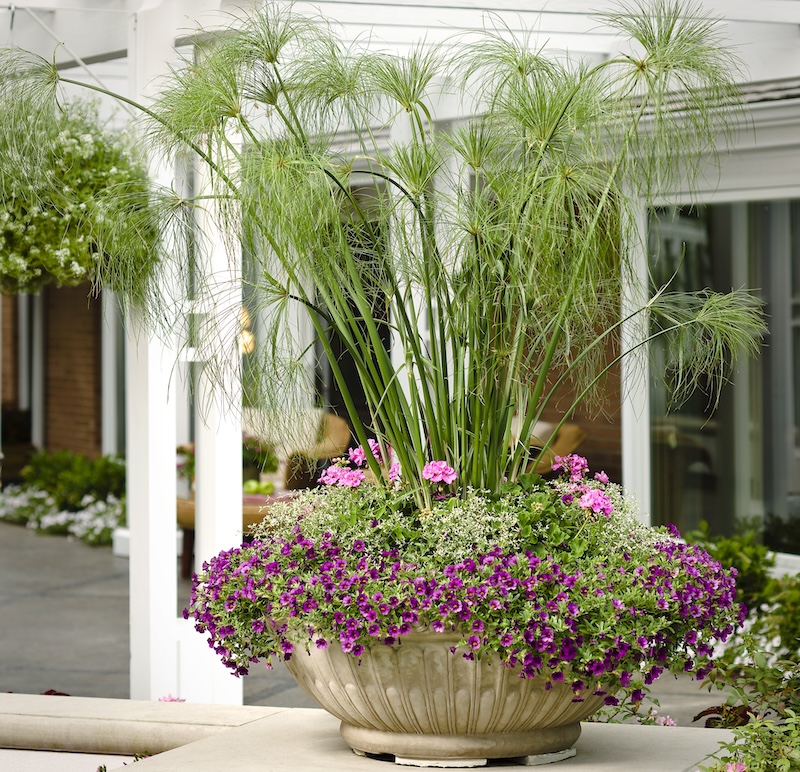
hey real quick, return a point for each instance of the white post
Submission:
(635, 381)
(167, 655)
(150, 437)
(151, 514)
(218, 442)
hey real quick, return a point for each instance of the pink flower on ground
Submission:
(597, 501)
(439, 471)
(665, 721)
(735, 766)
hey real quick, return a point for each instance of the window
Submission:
(740, 463)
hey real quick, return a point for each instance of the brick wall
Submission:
(72, 371)
(8, 323)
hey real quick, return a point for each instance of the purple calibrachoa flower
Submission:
(439, 471)
(595, 619)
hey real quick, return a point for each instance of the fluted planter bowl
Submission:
(423, 704)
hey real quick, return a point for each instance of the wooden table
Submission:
(253, 510)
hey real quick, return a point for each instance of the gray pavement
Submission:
(64, 611)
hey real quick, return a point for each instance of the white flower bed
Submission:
(93, 524)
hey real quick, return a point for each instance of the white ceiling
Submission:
(766, 33)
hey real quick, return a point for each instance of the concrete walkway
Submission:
(65, 612)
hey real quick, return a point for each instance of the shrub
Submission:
(69, 478)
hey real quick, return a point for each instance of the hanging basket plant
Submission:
(60, 198)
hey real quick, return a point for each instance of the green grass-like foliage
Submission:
(492, 249)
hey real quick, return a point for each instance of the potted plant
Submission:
(547, 599)
(258, 460)
(471, 270)
(62, 186)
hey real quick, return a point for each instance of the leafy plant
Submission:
(761, 746)
(259, 454)
(64, 183)
(93, 523)
(69, 477)
(23, 505)
(492, 254)
(759, 669)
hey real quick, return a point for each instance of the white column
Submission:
(218, 440)
(167, 655)
(150, 433)
(151, 514)
(635, 380)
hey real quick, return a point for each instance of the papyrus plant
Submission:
(491, 250)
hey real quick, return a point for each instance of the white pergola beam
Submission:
(773, 11)
(89, 32)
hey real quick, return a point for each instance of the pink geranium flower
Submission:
(597, 501)
(357, 456)
(439, 471)
(340, 475)
(577, 466)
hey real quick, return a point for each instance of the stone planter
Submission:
(429, 707)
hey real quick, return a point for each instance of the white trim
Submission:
(635, 379)
(785, 564)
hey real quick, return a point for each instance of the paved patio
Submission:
(65, 607)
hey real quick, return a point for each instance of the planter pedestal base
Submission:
(522, 761)
(540, 746)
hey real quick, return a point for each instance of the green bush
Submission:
(69, 478)
(785, 619)
(762, 746)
